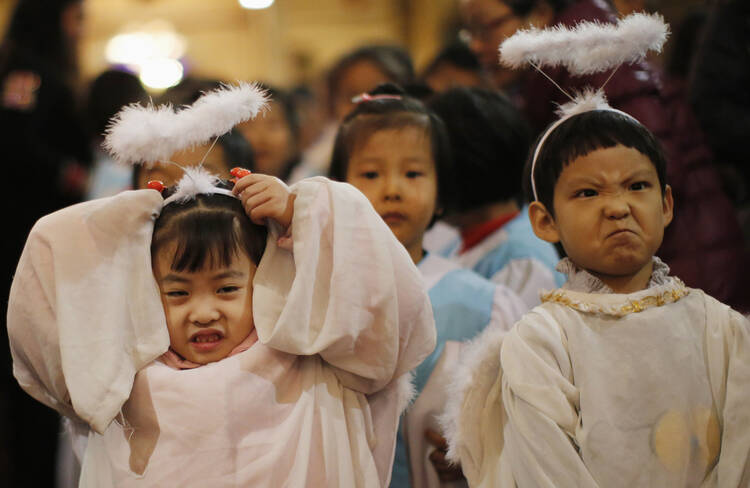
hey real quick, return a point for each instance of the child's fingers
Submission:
(255, 201)
(248, 181)
(263, 211)
(435, 439)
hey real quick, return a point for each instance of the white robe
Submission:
(340, 320)
(610, 390)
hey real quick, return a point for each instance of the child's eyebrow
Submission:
(173, 278)
(229, 274)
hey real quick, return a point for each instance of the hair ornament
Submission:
(155, 185)
(587, 48)
(366, 97)
(145, 135)
(196, 181)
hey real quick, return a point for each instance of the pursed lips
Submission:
(393, 216)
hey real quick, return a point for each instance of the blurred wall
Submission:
(292, 41)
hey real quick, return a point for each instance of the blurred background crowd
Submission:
(67, 66)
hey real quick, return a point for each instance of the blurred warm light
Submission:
(152, 50)
(159, 74)
(256, 4)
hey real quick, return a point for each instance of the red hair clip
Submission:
(155, 185)
(366, 97)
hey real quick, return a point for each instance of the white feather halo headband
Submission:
(587, 48)
(145, 135)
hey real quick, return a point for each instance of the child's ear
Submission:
(543, 223)
(667, 205)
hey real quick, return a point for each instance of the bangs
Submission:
(206, 240)
(363, 127)
(207, 232)
(581, 135)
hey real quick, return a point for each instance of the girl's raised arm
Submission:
(348, 290)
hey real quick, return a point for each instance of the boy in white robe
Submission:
(624, 376)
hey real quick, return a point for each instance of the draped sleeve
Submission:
(541, 403)
(347, 290)
(728, 359)
(91, 260)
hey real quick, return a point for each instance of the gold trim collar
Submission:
(619, 304)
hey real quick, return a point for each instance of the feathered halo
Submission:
(145, 135)
(587, 48)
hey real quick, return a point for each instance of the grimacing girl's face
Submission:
(610, 213)
(208, 312)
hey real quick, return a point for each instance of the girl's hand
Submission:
(446, 471)
(264, 197)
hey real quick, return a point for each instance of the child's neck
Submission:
(483, 214)
(416, 251)
(629, 283)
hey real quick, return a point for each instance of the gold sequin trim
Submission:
(677, 291)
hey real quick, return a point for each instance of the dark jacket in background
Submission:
(720, 88)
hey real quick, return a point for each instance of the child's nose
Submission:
(204, 313)
(616, 207)
(392, 188)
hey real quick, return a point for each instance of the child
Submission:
(395, 151)
(490, 139)
(624, 376)
(308, 334)
(274, 136)
(358, 71)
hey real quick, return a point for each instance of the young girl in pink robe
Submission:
(194, 352)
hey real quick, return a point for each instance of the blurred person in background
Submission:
(274, 135)
(310, 105)
(455, 65)
(45, 154)
(719, 94)
(704, 243)
(357, 72)
(107, 94)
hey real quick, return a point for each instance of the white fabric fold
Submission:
(84, 312)
(358, 299)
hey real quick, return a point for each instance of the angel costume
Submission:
(597, 389)
(340, 317)
(464, 304)
(512, 256)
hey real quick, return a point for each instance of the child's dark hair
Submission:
(208, 230)
(369, 117)
(458, 54)
(489, 141)
(393, 61)
(525, 7)
(580, 135)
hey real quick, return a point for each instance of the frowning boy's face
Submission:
(610, 212)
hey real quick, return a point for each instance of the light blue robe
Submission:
(513, 256)
(463, 304)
